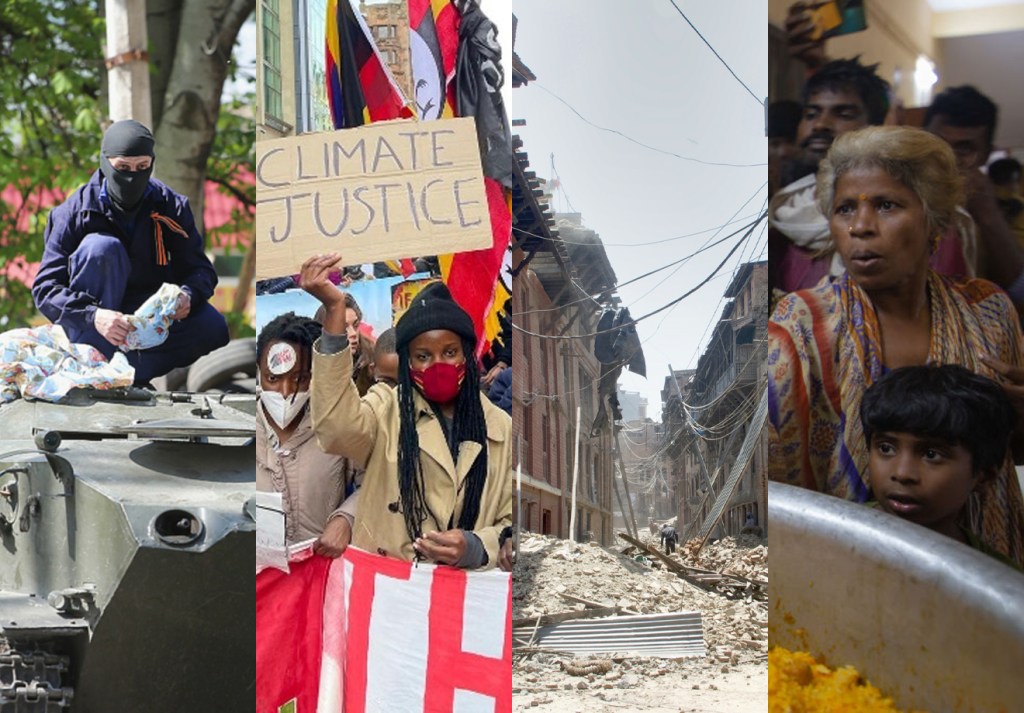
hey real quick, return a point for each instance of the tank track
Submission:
(31, 681)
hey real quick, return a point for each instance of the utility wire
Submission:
(663, 307)
(640, 143)
(756, 98)
(650, 242)
(680, 267)
(680, 261)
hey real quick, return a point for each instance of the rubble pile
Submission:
(548, 568)
(745, 556)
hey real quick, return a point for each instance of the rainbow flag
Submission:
(360, 88)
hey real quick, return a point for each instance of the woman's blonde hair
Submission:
(920, 161)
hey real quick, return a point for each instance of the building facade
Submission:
(389, 27)
(710, 411)
(291, 72)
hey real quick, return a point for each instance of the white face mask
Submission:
(281, 410)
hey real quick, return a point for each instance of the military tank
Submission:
(127, 548)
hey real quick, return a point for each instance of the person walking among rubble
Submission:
(669, 538)
(438, 458)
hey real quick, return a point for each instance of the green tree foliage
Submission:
(50, 84)
(51, 79)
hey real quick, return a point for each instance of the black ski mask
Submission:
(126, 138)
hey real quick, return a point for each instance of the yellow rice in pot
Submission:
(799, 684)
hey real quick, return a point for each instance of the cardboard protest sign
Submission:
(382, 191)
(394, 637)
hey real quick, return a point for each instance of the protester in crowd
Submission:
(783, 122)
(669, 538)
(112, 245)
(842, 96)
(888, 192)
(437, 453)
(289, 461)
(500, 392)
(499, 357)
(934, 435)
(385, 359)
(360, 344)
(1005, 174)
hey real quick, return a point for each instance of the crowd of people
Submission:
(897, 274)
(399, 445)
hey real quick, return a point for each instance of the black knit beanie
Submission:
(127, 138)
(433, 308)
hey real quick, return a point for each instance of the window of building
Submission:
(272, 96)
(546, 435)
(385, 32)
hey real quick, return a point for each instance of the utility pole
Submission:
(625, 485)
(575, 478)
(128, 61)
(519, 491)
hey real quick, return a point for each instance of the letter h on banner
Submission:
(449, 666)
(429, 638)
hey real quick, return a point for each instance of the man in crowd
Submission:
(842, 96)
(1005, 174)
(966, 119)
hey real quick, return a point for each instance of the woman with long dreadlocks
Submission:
(438, 481)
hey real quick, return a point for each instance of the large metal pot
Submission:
(932, 623)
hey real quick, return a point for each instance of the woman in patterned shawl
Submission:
(888, 193)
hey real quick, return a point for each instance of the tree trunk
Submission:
(163, 18)
(191, 103)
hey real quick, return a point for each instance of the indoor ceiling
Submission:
(952, 5)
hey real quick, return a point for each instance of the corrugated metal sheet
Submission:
(676, 635)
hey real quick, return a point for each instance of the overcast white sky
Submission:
(639, 68)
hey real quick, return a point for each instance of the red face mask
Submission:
(439, 382)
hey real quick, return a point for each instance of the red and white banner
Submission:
(364, 633)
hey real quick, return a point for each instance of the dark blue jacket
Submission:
(85, 212)
(501, 390)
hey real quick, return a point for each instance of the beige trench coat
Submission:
(312, 482)
(366, 430)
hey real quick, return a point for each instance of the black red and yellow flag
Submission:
(360, 88)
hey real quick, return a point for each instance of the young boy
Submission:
(385, 359)
(935, 433)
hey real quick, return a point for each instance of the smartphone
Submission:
(826, 17)
(852, 18)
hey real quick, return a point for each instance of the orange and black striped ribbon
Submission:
(158, 235)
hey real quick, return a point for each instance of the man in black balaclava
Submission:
(112, 244)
